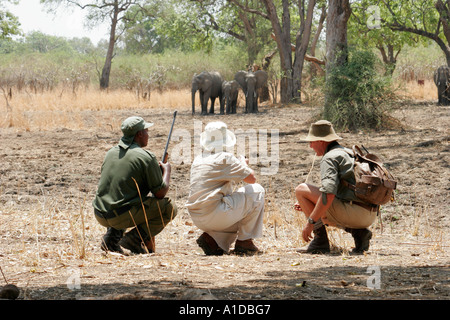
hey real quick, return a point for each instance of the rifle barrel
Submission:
(170, 136)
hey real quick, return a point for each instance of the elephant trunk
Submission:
(251, 96)
(193, 101)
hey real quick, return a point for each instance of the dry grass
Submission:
(412, 90)
(62, 109)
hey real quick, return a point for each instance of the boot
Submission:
(362, 239)
(209, 245)
(110, 241)
(320, 242)
(246, 247)
(137, 241)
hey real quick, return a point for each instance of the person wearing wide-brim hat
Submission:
(332, 203)
(132, 192)
(224, 216)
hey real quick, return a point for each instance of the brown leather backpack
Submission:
(374, 183)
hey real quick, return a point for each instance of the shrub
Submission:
(357, 94)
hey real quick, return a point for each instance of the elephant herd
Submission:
(211, 85)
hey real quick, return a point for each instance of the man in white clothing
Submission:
(225, 216)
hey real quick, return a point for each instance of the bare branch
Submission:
(250, 10)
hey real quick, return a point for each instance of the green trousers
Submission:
(152, 216)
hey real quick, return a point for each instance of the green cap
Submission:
(130, 127)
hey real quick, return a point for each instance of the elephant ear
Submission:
(261, 78)
(240, 78)
(207, 83)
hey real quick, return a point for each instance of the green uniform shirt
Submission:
(337, 164)
(117, 187)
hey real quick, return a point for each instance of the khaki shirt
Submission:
(117, 187)
(337, 164)
(212, 178)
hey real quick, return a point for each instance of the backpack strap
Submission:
(348, 185)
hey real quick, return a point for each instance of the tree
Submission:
(336, 36)
(170, 24)
(43, 43)
(290, 85)
(142, 34)
(366, 30)
(240, 20)
(82, 45)
(100, 11)
(9, 24)
(425, 18)
(233, 19)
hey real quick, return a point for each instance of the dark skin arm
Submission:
(166, 170)
(141, 139)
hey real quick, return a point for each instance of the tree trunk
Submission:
(282, 37)
(444, 17)
(314, 67)
(389, 58)
(250, 38)
(104, 80)
(336, 37)
(301, 46)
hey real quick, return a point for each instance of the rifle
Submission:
(166, 155)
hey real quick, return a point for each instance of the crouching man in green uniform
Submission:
(129, 174)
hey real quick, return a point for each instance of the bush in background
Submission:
(357, 94)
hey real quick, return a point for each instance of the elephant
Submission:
(230, 91)
(250, 83)
(209, 85)
(442, 81)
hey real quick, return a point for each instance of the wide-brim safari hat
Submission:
(216, 137)
(322, 130)
(131, 126)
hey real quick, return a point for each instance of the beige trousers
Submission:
(238, 216)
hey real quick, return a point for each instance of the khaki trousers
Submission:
(344, 214)
(152, 216)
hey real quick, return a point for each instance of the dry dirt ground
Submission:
(49, 238)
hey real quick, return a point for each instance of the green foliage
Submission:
(175, 68)
(356, 93)
(9, 24)
(51, 61)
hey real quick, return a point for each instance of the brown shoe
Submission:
(209, 245)
(246, 247)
